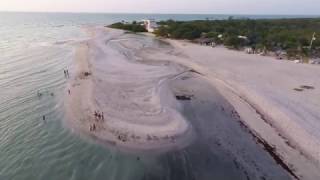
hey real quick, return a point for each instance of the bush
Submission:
(134, 27)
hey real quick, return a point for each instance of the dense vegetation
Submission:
(133, 27)
(290, 35)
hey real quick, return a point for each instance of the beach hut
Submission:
(249, 50)
(207, 42)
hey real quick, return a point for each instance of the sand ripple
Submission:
(140, 111)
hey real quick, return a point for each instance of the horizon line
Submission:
(159, 13)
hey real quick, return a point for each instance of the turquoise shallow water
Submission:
(33, 55)
(34, 50)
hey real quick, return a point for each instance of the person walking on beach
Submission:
(92, 127)
(69, 92)
(39, 94)
(67, 72)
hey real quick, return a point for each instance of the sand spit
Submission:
(131, 79)
(139, 110)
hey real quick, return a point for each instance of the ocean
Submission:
(34, 50)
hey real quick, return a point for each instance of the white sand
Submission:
(140, 112)
(261, 89)
(129, 83)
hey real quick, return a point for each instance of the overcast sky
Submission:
(300, 7)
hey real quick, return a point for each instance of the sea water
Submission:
(35, 48)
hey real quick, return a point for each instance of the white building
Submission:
(150, 24)
(243, 37)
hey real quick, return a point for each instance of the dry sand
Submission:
(140, 111)
(262, 91)
(130, 81)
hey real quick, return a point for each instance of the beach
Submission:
(139, 109)
(166, 95)
(277, 100)
(282, 93)
(221, 114)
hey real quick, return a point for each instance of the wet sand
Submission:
(140, 111)
(155, 96)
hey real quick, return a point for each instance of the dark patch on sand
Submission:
(298, 89)
(304, 87)
(184, 97)
(269, 148)
(307, 87)
(194, 71)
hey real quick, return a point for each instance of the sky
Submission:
(296, 7)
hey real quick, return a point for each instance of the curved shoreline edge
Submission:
(302, 165)
(267, 119)
(150, 121)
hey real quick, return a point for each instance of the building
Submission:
(243, 37)
(150, 25)
(249, 50)
(206, 41)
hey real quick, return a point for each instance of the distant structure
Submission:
(243, 37)
(206, 42)
(150, 25)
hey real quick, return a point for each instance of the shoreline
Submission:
(282, 132)
(162, 134)
(254, 98)
(165, 63)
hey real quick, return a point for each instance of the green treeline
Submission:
(134, 27)
(290, 35)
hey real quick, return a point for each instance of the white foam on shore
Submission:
(140, 110)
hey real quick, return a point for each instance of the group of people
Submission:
(93, 127)
(98, 116)
(66, 73)
(39, 94)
